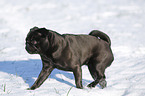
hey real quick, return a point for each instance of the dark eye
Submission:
(34, 42)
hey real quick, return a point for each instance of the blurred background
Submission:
(122, 20)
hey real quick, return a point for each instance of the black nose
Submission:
(27, 46)
(27, 42)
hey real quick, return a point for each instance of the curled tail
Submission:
(101, 35)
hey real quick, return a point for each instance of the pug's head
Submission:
(37, 41)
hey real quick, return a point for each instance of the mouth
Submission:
(31, 49)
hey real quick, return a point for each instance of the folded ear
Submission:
(43, 31)
(34, 29)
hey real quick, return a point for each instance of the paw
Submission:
(92, 85)
(28, 89)
(103, 83)
(80, 87)
(32, 88)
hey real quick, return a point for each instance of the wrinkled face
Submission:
(36, 41)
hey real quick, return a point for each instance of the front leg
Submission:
(45, 72)
(78, 77)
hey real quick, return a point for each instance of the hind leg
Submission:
(94, 75)
(97, 66)
(98, 75)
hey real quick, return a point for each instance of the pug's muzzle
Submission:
(30, 48)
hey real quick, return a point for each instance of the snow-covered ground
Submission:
(122, 20)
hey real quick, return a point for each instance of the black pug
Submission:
(69, 52)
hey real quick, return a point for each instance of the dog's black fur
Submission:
(69, 52)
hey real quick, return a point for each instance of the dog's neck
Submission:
(57, 44)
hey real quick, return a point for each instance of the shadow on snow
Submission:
(30, 69)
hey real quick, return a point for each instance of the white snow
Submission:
(122, 20)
